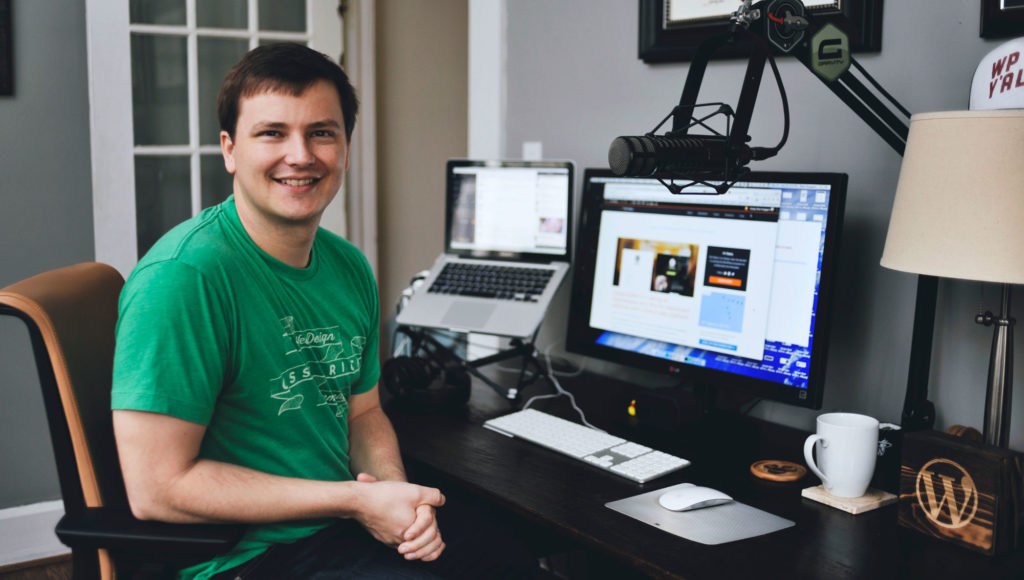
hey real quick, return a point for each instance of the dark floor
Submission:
(57, 568)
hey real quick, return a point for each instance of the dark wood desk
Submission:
(556, 495)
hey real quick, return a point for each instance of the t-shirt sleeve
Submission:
(172, 343)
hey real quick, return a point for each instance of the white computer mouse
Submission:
(688, 496)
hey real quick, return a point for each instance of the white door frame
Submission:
(110, 128)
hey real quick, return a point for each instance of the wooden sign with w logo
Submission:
(966, 492)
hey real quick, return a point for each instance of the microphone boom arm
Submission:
(875, 106)
(872, 103)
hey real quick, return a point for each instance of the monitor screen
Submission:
(726, 290)
(515, 209)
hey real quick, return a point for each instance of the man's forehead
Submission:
(269, 94)
(271, 87)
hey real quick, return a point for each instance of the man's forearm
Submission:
(165, 479)
(216, 492)
(212, 491)
(373, 446)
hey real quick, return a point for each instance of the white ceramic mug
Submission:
(847, 445)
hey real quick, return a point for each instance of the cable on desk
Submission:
(400, 349)
(560, 391)
(575, 373)
(403, 298)
(551, 368)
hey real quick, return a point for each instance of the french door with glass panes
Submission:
(155, 67)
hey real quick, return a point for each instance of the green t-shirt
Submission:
(215, 331)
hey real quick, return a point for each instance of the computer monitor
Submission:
(726, 291)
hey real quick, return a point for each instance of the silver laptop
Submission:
(507, 248)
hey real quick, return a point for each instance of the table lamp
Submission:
(959, 213)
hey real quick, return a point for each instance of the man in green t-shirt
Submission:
(246, 366)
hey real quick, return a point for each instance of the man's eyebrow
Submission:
(264, 125)
(326, 123)
(330, 123)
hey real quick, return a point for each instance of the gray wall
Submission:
(575, 83)
(45, 217)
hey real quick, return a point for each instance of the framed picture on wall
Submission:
(1002, 18)
(6, 50)
(671, 30)
(680, 13)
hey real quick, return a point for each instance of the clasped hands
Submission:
(402, 515)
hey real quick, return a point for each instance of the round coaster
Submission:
(777, 470)
(969, 433)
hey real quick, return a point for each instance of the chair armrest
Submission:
(119, 532)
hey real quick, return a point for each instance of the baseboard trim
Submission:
(26, 533)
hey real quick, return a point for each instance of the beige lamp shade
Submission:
(959, 207)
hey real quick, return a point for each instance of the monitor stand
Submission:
(669, 408)
(685, 406)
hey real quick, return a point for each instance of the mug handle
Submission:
(809, 456)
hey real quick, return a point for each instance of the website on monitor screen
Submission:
(687, 277)
(689, 270)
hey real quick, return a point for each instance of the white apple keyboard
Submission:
(614, 454)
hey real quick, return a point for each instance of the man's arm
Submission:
(166, 480)
(374, 456)
(373, 445)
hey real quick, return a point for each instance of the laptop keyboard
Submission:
(490, 281)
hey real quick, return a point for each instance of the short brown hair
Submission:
(284, 67)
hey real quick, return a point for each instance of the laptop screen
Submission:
(519, 210)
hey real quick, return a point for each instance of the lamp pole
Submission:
(1000, 374)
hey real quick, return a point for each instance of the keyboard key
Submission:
(631, 449)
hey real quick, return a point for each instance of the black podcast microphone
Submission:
(648, 155)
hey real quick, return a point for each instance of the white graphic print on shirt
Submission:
(324, 359)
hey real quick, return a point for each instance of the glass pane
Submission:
(157, 12)
(216, 57)
(287, 15)
(222, 14)
(216, 180)
(159, 90)
(163, 197)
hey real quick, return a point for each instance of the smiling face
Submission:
(289, 156)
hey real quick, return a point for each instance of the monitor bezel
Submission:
(581, 337)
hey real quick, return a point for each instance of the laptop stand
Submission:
(423, 340)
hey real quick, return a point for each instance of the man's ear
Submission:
(227, 150)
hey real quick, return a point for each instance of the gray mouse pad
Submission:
(714, 525)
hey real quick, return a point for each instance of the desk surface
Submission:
(567, 498)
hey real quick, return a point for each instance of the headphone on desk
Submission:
(429, 382)
(420, 383)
